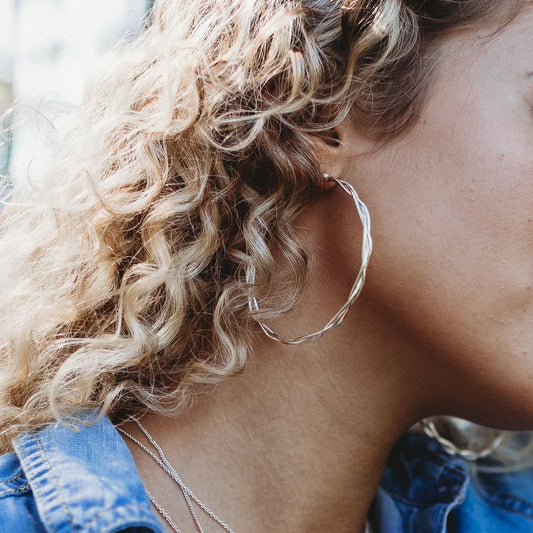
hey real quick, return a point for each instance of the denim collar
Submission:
(84, 480)
(420, 487)
(424, 489)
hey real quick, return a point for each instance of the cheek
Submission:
(452, 208)
(453, 238)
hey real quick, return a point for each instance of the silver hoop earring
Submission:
(366, 251)
(451, 448)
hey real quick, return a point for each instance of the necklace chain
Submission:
(188, 495)
(162, 512)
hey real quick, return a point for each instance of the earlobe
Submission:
(328, 182)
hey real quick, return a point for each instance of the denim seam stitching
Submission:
(99, 515)
(54, 480)
(515, 511)
(488, 501)
(30, 478)
(13, 478)
(21, 489)
(444, 513)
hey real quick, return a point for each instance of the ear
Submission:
(328, 148)
(337, 148)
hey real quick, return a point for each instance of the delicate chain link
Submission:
(184, 489)
(172, 473)
(162, 512)
(163, 462)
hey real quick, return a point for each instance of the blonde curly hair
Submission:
(123, 268)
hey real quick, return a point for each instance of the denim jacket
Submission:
(60, 481)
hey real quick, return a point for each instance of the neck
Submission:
(296, 443)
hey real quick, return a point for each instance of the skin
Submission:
(298, 442)
(453, 220)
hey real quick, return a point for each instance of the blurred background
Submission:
(47, 50)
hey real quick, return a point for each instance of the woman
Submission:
(199, 225)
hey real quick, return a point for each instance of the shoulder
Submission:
(81, 478)
(426, 489)
(17, 505)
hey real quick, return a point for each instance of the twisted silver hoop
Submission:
(366, 251)
(451, 448)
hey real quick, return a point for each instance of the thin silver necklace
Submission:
(189, 496)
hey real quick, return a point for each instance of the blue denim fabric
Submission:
(423, 489)
(62, 481)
